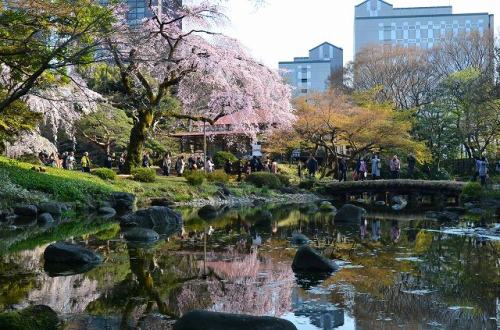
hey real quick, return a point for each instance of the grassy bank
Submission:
(22, 184)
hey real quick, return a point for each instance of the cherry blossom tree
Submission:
(210, 74)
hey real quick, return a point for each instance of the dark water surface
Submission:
(398, 272)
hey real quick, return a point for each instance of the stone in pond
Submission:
(39, 317)
(139, 234)
(205, 320)
(53, 208)
(159, 218)
(309, 260)
(299, 239)
(45, 218)
(208, 212)
(350, 213)
(26, 210)
(106, 212)
(66, 259)
(123, 202)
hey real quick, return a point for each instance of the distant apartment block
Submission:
(378, 22)
(140, 9)
(311, 74)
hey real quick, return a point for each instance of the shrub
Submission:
(104, 173)
(221, 157)
(472, 191)
(144, 174)
(218, 176)
(264, 179)
(284, 179)
(194, 178)
(307, 184)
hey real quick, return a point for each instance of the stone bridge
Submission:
(437, 192)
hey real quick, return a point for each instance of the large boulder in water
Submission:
(139, 234)
(205, 320)
(309, 260)
(65, 258)
(350, 213)
(38, 317)
(159, 218)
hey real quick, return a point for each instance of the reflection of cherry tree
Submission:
(241, 284)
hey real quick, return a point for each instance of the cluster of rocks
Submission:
(30, 214)
(148, 225)
(221, 199)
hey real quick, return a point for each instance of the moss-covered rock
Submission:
(38, 317)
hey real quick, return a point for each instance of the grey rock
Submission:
(379, 203)
(70, 253)
(309, 260)
(208, 212)
(53, 208)
(299, 239)
(448, 216)
(161, 202)
(400, 203)
(139, 234)
(123, 202)
(159, 218)
(205, 320)
(154, 322)
(431, 215)
(107, 212)
(45, 218)
(350, 213)
(26, 210)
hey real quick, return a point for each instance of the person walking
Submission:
(228, 166)
(342, 169)
(108, 163)
(52, 161)
(86, 163)
(121, 163)
(145, 160)
(254, 164)
(199, 163)
(70, 161)
(483, 170)
(299, 169)
(274, 166)
(180, 165)
(312, 166)
(363, 169)
(65, 160)
(166, 163)
(210, 165)
(376, 166)
(411, 165)
(395, 167)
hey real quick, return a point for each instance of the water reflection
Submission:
(399, 274)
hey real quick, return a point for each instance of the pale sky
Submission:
(283, 29)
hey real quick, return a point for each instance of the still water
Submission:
(397, 272)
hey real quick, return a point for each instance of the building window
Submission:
(303, 80)
(303, 90)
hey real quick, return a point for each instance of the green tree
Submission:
(107, 128)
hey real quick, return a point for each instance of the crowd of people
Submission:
(362, 169)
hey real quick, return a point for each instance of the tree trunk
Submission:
(138, 136)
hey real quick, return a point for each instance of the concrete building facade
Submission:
(140, 9)
(312, 73)
(378, 22)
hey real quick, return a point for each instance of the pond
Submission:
(398, 271)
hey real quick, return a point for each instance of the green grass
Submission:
(61, 185)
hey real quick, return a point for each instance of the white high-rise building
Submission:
(378, 22)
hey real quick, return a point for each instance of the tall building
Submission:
(378, 22)
(140, 9)
(309, 74)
